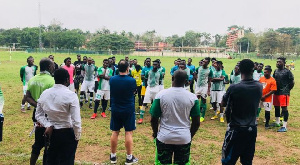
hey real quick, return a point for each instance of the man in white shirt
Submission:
(58, 111)
(175, 131)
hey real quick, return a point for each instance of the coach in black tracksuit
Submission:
(242, 102)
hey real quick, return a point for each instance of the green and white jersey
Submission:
(89, 71)
(27, 72)
(212, 68)
(203, 75)
(163, 72)
(218, 85)
(104, 84)
(257, 76)
(225, 79)
(235, 79)
(1, 101)
(174, 113)
(153, 78)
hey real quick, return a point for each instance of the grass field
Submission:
(94, 146)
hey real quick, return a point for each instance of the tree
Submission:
(111, 42)
(269, 42)
(30, 37)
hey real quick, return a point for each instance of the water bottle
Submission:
(1, 126)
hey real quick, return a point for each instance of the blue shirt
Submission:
(122, 93)
(193, 69)
(174, 68)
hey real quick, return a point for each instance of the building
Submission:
(233, 35)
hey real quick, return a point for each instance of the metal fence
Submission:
(72, 51)
(255, 55)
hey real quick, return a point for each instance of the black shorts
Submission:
(78, 80)
(122, 119)
(164, 153)
(239, 142)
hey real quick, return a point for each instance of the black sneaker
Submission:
(86, 101)
(91, 106)
(267, 126)
(133, 160)
(113, 160)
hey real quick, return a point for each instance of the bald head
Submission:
(180, 78)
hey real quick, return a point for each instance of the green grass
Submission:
(94, 146)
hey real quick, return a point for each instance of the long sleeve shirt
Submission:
(59, 107)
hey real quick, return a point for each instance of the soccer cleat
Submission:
(201, 119)
(133, 160)
(214, 117)
(275, 125)
(218, 112)
(94, 116)
(222, 119)
(90, 106)
(140, 121)
(113, 160)
(28, 108)
(267, 126)
(282, 129)
(281, 118)
(23, 110)
(103, 114)
(86, 101)
(81, 104)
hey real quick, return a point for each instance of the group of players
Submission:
(205, 81)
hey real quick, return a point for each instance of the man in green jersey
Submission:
(182, 66)
(26, 73)
(236, 76)
(163, 72)
(36, 86)
(103, 91)
(203, 76)
(258, 73)
(217, 90)
(88, 81)
(153, 78)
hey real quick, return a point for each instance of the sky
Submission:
(166, 17)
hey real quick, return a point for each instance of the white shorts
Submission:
(161, 87)
(102, 94)
(87, 86)
(25, 89)
(266, 105)
(217, 96)
(71, 87)
(151, 93)
(201, 91)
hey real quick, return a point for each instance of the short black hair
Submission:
(105, 60)
(156, 61)
(29, 58)
(183, 60)
(219, 62)
(213, 59)
(61, 76)
(180, 77)
(44, 64)
(282, 59)
(68, 58)
(207, 58)
(148, 58)
(268, 68)
(50, 55)
(123, 65)
(178, 59)
(84, 56)
(246, 66)
(78, 55)
(113, 57)
(138, 67)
